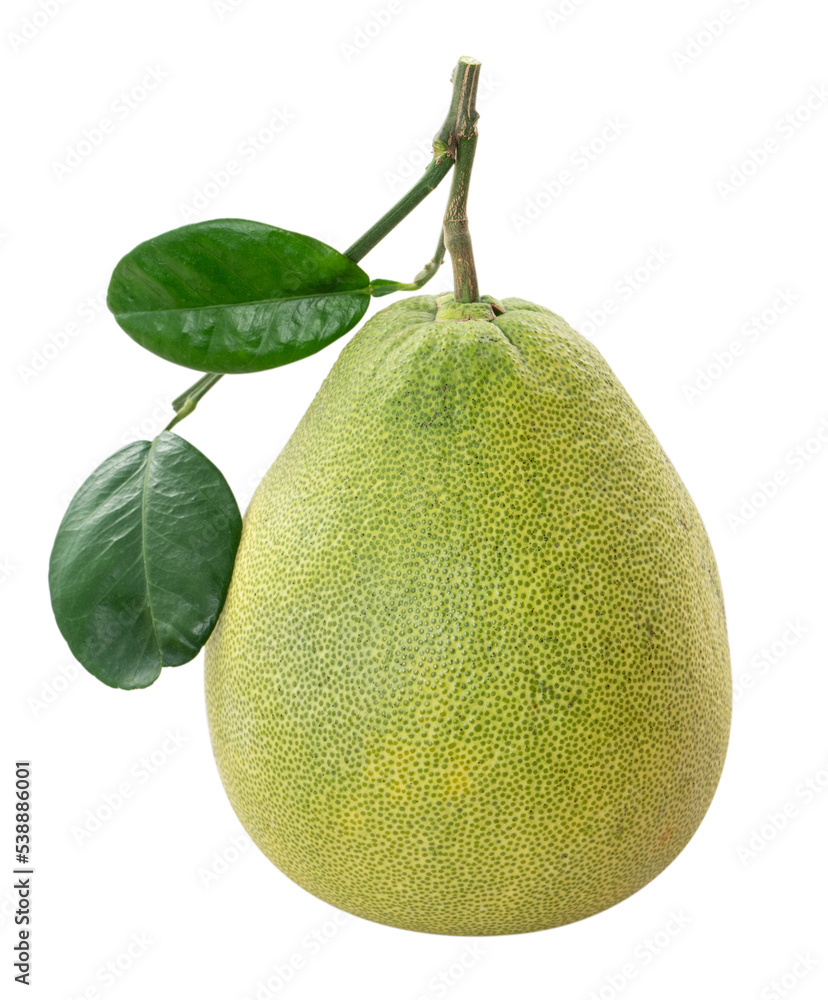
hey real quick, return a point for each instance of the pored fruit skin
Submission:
(472, 674)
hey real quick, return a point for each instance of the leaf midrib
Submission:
(251, 302)
(144, 547)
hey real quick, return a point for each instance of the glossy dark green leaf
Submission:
(142, 560)
(235, 296)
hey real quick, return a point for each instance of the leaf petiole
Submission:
(187, 401)
(381, 287)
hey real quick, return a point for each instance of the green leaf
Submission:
(142, 560)
(235, 296)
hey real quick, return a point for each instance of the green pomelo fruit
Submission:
(472, 675)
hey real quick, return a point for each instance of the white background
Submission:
(750, 897)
